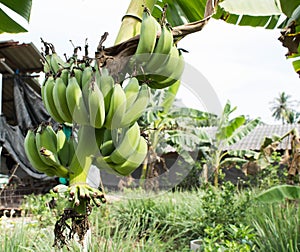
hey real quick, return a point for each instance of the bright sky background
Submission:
(244, 65)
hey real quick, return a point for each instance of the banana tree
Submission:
(228, 131)
(8, 24)
(169, 127)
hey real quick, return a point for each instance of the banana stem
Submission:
(83, 157)
(131, 22)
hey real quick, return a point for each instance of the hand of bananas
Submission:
(48, 151)
(157, 62)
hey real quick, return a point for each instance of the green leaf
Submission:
(295, 16)
(23, 8)
(243, 153)
(288, 6)
(9, 25)
(251, 7)
(279, 193)
(241, 132)
(233, 160)
(183, 11)
(296, 65)
(232, 126)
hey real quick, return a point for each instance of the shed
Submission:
(21, 108)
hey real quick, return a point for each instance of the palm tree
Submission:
(282, 109)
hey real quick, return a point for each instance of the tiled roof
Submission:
(255, 138)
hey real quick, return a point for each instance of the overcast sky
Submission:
(242, 64)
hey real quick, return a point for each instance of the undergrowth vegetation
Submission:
(225, 219)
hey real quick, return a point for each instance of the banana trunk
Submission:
(131, 22)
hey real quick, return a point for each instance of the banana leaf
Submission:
(255, 13)
(228, 130)
(279, 194)
(242, 132)
(22, 8)
(244, 153)
(233, 160)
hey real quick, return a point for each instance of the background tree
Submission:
(228, 131)
(283, 109)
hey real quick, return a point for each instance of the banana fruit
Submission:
(137, 108)
(117, 108)
(147, 41)
(76, 102)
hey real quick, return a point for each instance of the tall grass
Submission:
(168, 222)
(277, 227)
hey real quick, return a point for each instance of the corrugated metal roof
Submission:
(24, 58)
(256, 137)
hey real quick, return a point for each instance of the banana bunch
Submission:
(122, 150)
(159, 63)
(48, 151)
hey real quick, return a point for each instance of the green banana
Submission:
(33, 155)
(43, 87)
(161, 50)
(87, 79)
(78, 75)
(169, 68)
(76, 103)
(51, 157)
(127, 145)
(60, 100)
(135, 111)
(96, 107)
(133, 161)
(147, 41)
(57, 63)
(173, 78)
(106, 84)
(64, 74)
(87, 76)
(107, 148)
(46, 139)
(61, 139)
(100, 162)
(47, 66)
(117, 108)
(48, 100)
(62, 147)
(131, 91)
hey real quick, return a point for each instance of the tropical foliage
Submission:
(228, 131)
